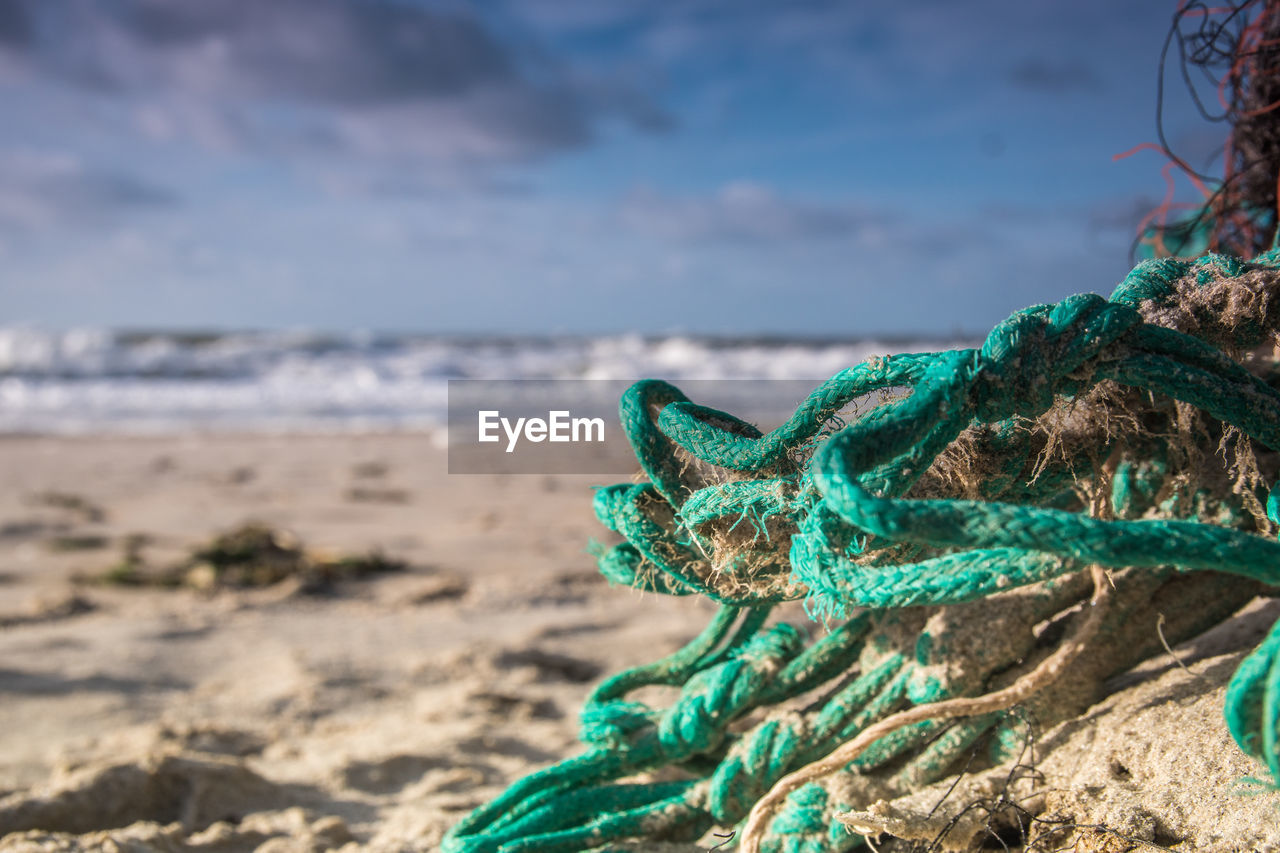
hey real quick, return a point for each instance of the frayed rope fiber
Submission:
(933, 538)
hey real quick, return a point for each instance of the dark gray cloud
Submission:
(332, 51)
(39, 191)
(867, 47)
(1054, 77)
(374, 76)
(15, 24)
(742, 212)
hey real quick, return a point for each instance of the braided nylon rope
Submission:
(851, 520)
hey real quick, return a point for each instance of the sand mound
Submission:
(1150, 767)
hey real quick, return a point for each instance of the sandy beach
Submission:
(581, 427)
(376, 710)
(371, 713)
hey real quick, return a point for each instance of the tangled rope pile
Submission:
(1228, 58)
(1005, 526)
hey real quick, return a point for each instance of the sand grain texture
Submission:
(373, 715)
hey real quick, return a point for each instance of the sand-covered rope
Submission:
(1049, 670)
(941, 540)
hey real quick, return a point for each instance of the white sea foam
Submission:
(88, 381)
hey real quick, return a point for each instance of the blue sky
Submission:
(581, 166)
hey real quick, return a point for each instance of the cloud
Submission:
(893, 50)
(1054, 78)
(330, 52)
(15, 25)
(369, 76)
(39, 190)
(742, 212)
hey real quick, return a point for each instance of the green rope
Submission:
(860, 522)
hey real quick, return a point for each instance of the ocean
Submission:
(102, 381)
